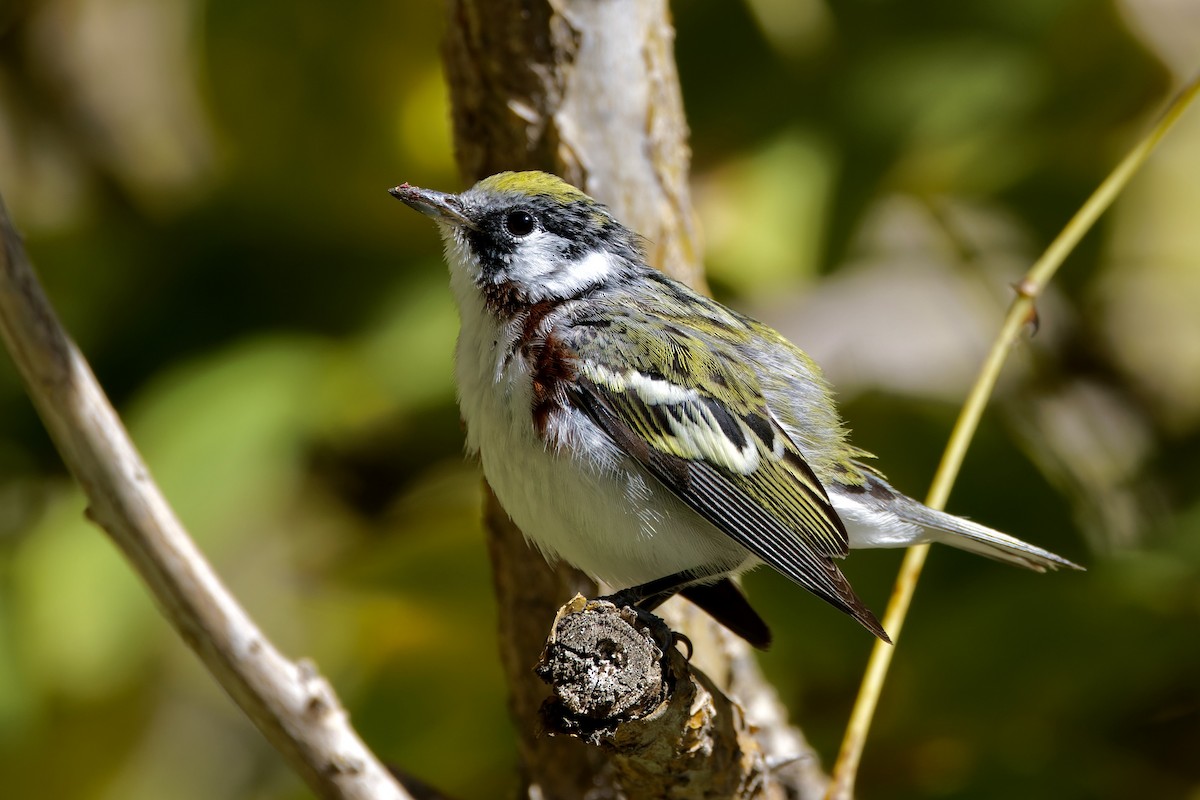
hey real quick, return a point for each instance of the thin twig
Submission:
(293, 706)
(841, 786)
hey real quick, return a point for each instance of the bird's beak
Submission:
(439, 205)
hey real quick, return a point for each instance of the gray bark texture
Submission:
(588, 89)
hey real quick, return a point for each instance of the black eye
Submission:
(519, 223)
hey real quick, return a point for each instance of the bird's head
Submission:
(520, 238)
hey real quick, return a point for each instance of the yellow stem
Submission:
(841, 785)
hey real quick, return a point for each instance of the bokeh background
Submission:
(201, 186)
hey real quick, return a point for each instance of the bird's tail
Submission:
(967, 535)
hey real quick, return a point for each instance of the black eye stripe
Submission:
(519, 222)
(573, 231)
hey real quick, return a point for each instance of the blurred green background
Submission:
(201, 186)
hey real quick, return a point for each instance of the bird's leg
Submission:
(723, 601)
(652, 594)
(646, 597)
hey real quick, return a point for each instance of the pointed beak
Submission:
(439, 205)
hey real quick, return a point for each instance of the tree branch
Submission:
(589, 90)
(293, 706)
(620, 683)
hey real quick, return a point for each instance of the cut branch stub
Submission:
(620, 682)
(606, 665)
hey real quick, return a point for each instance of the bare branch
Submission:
(293, 706)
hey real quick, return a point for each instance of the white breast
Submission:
(581, 501)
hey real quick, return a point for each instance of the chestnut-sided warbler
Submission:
(646, 434)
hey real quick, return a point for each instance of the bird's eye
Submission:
(519, 223)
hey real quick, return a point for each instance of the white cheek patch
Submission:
(538, 268)
(593, 268)
(569, 278)
(535, 259)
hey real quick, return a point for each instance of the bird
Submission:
(647, 434)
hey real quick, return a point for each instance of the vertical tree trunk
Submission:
(588, 89)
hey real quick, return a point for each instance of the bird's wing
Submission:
(699, 424)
